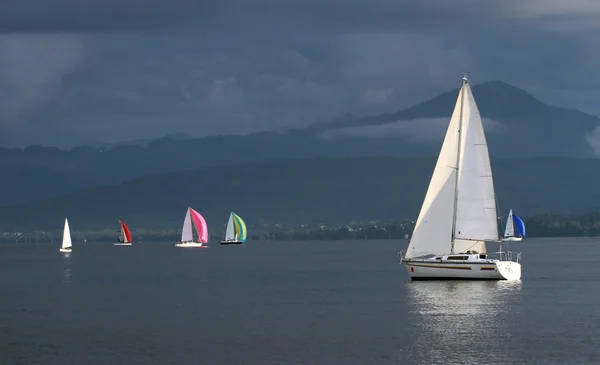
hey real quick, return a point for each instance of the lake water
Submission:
(292, 303)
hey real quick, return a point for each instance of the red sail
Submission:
(126, 233)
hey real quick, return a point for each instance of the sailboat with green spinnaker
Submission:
(236, 232)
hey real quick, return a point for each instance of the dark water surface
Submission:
(292, 303)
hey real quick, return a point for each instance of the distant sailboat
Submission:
(514, 223)
(236, 231)
(125, 237)
(187, 236)
(458, 216)
(67, 245)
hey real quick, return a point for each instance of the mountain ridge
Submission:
(531, 128)
(319, 190)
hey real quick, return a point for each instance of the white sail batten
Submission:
(510, 226)
(433, 229)
(66, 242)
(230, 231)
(476, 217)
(186, 232)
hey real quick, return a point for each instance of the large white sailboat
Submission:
(458, 215)
(67, 245)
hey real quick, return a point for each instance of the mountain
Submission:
(517, 125)
(524, 126)
(321, 190)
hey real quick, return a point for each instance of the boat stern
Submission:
(509, 270)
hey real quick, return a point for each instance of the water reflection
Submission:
(67, 269)
(455, 321)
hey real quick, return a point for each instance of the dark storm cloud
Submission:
(41, 16)
(114, 70)
(254, 15)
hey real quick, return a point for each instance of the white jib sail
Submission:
(510, 226)
(230, 231)
(66, 242)
(186, 232)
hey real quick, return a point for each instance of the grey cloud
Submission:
(279, 15)
(237, 66)
(40, 16)
(33, 71)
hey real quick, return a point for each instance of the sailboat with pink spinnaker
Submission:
(195, 220)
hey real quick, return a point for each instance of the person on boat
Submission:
(119, 240)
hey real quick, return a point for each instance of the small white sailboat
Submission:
(236, 232)
(514, 223)
(458, 215)
(67, 245)
(125, 238)
(187, 236)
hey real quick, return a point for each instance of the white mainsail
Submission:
(230, 231)
(186, 232)
(459, 210)
(510, 226)
(66, 242)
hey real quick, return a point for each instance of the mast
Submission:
(460, 121)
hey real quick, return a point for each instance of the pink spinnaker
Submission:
(200, 224)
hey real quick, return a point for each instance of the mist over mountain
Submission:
(517, 126)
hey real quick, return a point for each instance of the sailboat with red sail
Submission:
(125, 236)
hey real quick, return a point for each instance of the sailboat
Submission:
(514, 223)
(187, 236)
(67, 245)
(125, 237)
(458, 215)
(236, 231)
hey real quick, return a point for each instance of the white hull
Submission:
(122, 244)
(492, 270)
(66, 250)
(189, 244)
(512, 239)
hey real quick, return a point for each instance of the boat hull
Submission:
(65, 250)
(512, 239)
(428, 270)
(189, 244)
(122, 244)
(231, 242)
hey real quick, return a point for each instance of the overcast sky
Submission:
(75, 71)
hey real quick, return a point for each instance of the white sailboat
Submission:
(509, 231)
(458, 215)
(67, 245)
(194, 218)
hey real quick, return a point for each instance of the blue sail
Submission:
(519, 226)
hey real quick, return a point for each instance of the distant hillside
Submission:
(517, 126)
(323, 190)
